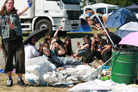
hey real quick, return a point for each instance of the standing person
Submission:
(66, 44)
(30, 49)
(12, 44)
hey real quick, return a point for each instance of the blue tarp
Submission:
(2, 71)
(84, 27)
(120, 17)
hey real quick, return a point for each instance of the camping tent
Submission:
(133, 6)
(120, 17)
(84, 27)
(127, 28)
(102, 8)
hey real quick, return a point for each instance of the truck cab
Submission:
(50, 14)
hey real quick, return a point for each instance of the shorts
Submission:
(16, 49)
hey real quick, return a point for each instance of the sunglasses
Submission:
(46, 49)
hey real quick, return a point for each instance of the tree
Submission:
(121, 3)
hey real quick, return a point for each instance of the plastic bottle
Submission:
(29, 3)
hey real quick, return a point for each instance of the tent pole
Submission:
(103, 26)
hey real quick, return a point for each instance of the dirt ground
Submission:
(16, 88)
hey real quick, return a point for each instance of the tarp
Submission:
(103, 86)
(127, 28)
(120, 17)
(42, 72)
(84, 27)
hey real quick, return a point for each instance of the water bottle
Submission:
(29, 3)
(100, 47)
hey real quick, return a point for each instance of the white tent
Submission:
(107, 8)
(130, 26)
(127, 28)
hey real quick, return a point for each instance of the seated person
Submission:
(30, 49)
(59, 50)
(95, 49)
(107, 51)
(50, 55)
(48, 39)
(66, 44)
(90, 22)
(97, 24)
(83, 50)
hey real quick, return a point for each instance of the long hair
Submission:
(100, 41)
(41, 48)
(3, 9)
(86, 37)
(68, 48)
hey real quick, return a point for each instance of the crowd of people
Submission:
(93, 21)
(60, 52)
(55, 50)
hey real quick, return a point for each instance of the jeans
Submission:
(69, 61)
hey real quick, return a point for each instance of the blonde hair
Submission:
(99, 36)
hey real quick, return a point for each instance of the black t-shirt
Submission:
(56, 52)
(115, 38)
(62, 44)
(13, 37)
(88, 43)
(102, 44)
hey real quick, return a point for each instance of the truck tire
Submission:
(44, 23)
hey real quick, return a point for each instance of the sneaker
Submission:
(21, 83)
(9, 82)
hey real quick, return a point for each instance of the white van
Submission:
(103, 8)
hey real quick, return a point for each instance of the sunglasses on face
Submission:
(46, 49)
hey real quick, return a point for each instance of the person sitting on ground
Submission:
(48, 39)
(30, 49)
(59, 50)
(83, 50)
(66, 44)
(50, 55)
(97, 24)
(97, 41)
(107, 49)
(90, 22)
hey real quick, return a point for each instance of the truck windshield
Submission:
(71, 2)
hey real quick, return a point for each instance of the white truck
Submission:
(49, 14)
